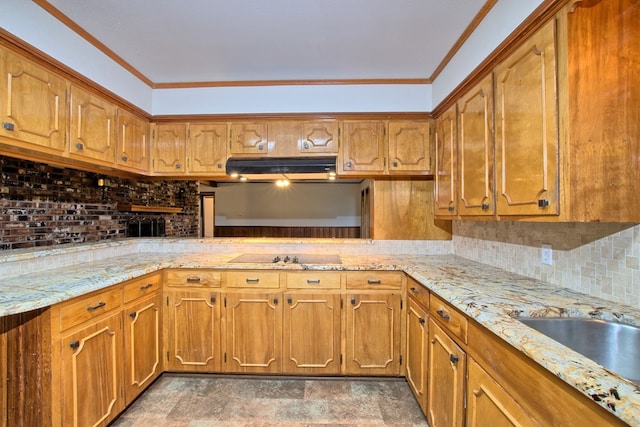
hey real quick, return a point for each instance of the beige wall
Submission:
(602, 260)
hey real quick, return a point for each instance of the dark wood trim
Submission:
(463, 38)
(296, 232)
(190, 85)
(544, 12)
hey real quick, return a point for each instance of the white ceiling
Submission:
(189, 41)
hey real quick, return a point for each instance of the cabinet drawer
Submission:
(253, 279)
(313, 280)
(449, 317)
(193, 277)
(419, 293)
(83, 308)
(374, 280)
(140, 287)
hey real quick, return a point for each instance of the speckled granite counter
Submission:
(486, 294)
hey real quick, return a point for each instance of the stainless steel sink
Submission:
(616, 346)
(288, 259)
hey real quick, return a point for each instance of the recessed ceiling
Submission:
(169, 41)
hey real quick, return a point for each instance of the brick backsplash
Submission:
(598, 259)
(43, 205)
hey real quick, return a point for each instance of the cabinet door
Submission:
(319, 137)
(169, 149)
(526, 128)
(193, 329)
(254, 332)
(92, 373)
(489, 404)
(417, 351)
(363, 148)
(33, 105)
(475, 152)
(133, 142)
(445, 169)
(93, 128)
(373, 334)
(142, 341)
(284, 138)
(248, 138)
(207, 149)
(447, 368)
(409, 148)
(312, 334)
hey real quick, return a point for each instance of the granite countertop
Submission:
(491, 296)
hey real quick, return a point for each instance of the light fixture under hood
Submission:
(274, 168)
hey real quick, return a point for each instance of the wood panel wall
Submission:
(308, 232)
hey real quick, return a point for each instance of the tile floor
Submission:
(198, 401)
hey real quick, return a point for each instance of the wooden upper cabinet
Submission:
(133, 152)
(207, 148)
(319, 137)
(445, 148)
(602, 121)
(362, 148)
(248, 138)
(93, 128)
(32, 105)
(475, 151)
(526, 138)
(284, 138)
(169, 148)
(409, 147)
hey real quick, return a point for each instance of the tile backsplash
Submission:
(598, 259)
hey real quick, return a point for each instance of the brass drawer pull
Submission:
(97, 306)
(415, 291)
(453, 358)
(443, 314)
(145, 287)
(374, 281)
(313, 281)
(193, 279)
(250, 280)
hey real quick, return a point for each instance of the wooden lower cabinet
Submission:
(311, 332)
(417, 351)
(193, 330)
(254, 332)
(488, 404)
(91, 373)
(373, 333)
(143, 339)
(447, 370)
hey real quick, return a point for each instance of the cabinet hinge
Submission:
(400, 359)
(340, 359)
(167, 356)
(153, 133)
(167, 301)
(225, 304)
(401, 304)
(341, 303)
(225, 357)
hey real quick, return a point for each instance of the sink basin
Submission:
(288, 259)
(616, 346)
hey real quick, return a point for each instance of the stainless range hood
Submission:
(267, 168)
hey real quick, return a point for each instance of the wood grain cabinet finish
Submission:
(475, 151)
(373, 333)
(254, 332)
(319, 137)
(417, 361)
(134, 143)
(169, 149)
(446, 379)
(91, 373)
(207, 149)
(143, 343)
(312, 333)
(193, 330)
(363, 148)
(488, 404)
(526, 137)
(92, 128)
(248, 138)
(445, 153)
(409, 148)
(33, 108)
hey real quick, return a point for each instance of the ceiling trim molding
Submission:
(290, 116)
(463, 38)
(189, 85)
(92, 40)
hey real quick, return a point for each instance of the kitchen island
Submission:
(490, 297)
